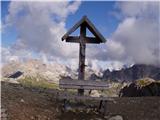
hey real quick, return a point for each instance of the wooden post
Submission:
(82, 47)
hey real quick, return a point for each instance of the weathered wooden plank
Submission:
(75, 39)
(93, 29)
(73, 28)
(83, 84)
(86, 87)
(77, 97)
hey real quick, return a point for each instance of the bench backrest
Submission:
(82, 84)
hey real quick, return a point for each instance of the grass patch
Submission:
(113, 91)
(37, 82)
(144, 82)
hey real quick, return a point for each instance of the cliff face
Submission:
(135, 72)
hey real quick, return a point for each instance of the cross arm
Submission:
(76, 39)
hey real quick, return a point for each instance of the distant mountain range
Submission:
(53, 72)
(36, 69)
(135, 72)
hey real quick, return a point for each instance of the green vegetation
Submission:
(5, 79)
(34, 82)
(144, 82)
(112, 91)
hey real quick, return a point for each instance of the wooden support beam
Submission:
(75, 39)
(82, 48)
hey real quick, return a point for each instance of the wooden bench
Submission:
(83, 84)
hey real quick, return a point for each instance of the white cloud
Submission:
(136, 38)
(40, 26)
(10, 54)
(139, 9)
(116, 48)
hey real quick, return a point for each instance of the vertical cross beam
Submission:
(82, 47)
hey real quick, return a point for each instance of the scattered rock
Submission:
(16, 74)
(95, 93)
(3, 114)
(22, 100)
(117, 117)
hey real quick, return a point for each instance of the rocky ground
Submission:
(28, 103)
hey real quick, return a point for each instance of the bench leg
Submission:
(102, 107)
(100, 104)
(105, 107)
(90, 92)
(80, 91)
(65, 103)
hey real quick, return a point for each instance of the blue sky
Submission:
(98, 12)
(9, 36)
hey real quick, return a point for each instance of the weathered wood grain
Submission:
(83, 84)
(87, 40)
(77, 97)
(82, 49)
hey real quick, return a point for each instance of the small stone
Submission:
(117, 117)
(3, 110)
(106, 117)
(3, 118)
(4, 115)
(32, 118)
(22, 100)
(114, 102)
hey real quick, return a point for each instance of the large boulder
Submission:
(130, 91)
(152, 89)
(16, 74)
(145, 87)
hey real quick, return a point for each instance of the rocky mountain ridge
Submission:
(54, 71)
(51, 72)
(36, 68)
(132, 73)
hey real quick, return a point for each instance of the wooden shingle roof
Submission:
(85, 21)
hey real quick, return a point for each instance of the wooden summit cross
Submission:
(83, 40)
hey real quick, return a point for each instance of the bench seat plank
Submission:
(82, 84)
(77, 97)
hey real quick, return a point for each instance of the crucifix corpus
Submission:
(84, 24)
